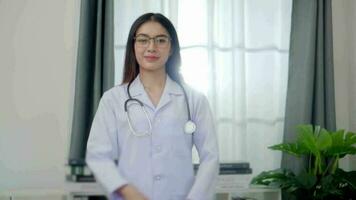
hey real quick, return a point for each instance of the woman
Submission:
(152, 142)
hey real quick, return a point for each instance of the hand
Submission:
(129, 192)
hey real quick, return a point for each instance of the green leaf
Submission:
(342, 144)
(306, 180)
(350, 138)
(291, 148)
(348, 177)
(340, 151)
(306, 138)
(337, 138)
(328, 188)
(324, 140)
(276, 177)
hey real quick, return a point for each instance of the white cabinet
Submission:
(236, 187)
(251, 194)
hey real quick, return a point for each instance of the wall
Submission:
(344, 13)
(37, 71)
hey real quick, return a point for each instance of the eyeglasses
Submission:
(160, 41)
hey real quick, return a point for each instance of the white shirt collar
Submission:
(171, 88)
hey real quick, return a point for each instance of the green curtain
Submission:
(310, 94)
(95, 70)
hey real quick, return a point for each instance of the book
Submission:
(80, 178)
(243, 165)
(235, 171)
(230, 166)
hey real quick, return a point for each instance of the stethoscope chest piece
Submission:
(190, 127)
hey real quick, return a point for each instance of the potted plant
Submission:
(322, 179)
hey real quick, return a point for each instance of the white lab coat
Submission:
(160, 165)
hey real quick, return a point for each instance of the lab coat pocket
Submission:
(181, 143)
(182, 151)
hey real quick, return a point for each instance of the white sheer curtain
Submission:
(236, 52)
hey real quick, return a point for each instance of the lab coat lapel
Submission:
(170, 88)
(165, 98)
(137, 91)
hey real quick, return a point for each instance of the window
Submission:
(240, 51)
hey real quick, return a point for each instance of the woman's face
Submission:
(152, 46)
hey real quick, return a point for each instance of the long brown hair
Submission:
(131, 67)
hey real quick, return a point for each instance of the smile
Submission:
(151, 58)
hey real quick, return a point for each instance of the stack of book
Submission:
(231, 168)
(234, 176)
(79, 173)
(235, 168)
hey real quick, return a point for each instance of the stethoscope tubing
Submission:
(189, 127)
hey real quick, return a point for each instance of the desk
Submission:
(33, 194)
(80, 191)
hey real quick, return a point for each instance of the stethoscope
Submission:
(189, 127)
